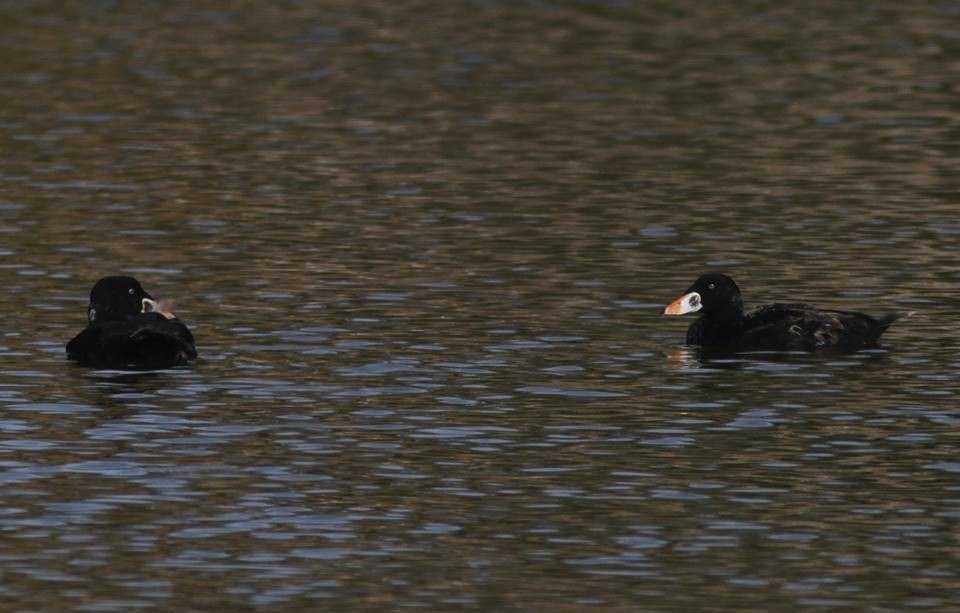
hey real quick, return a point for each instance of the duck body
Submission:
(125, 331)
(147, 341)
(723, 323)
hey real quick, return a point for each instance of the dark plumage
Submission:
(126, 329)
(723, 324)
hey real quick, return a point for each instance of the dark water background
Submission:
(421, 245)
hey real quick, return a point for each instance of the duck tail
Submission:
(886, 321)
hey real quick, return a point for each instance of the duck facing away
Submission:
(723, 324)
(126, 328)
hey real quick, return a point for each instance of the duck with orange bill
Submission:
(127, 328)
(723, 323)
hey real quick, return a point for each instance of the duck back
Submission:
(146, 341)
(802, 327)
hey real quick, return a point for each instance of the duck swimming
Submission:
(126, 328)
(723, 324)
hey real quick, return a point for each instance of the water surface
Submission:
(422, 247)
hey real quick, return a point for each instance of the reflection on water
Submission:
(423, 258)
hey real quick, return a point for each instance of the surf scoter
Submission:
(773, 327)
(126, 328)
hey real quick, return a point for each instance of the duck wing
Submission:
(802, 327)
(146, 341)
(158, 342)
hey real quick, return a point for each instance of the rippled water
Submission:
(422, 246)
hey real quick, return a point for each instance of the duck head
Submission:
(711, 294)
(117, 298)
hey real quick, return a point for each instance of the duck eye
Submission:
(131, 291)
(712, 286)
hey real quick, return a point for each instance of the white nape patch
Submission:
(91, 314)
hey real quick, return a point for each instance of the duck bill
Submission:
(688, 303)
(153, 306)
